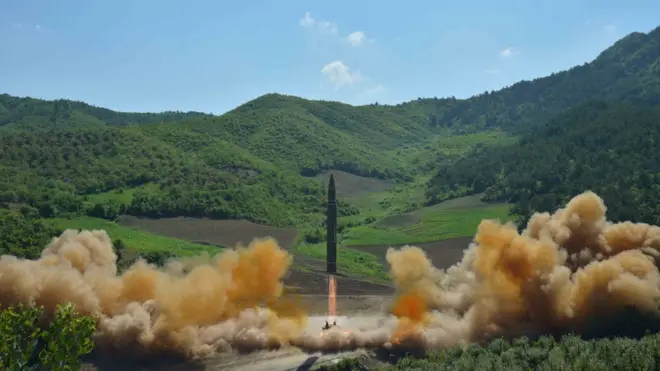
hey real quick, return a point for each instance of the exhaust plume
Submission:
(564, 271)
(191, 307)
(332, 296)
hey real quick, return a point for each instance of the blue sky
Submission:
(210, 56)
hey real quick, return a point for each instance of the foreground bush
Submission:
(570, 353)
(24, 345)
(547, 354)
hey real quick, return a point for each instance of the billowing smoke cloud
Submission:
(191, 307)
(563, 271)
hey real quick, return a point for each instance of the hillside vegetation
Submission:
(256, 162)
(568, 353)
(609, 148)
(53, 171)
(27, 237)
(605, 141)
(260, 161)
(313, 136)
(628, 71)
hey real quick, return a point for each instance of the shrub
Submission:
(24, 345)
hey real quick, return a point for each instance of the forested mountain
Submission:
(301, 135)
(54, 170)
(312, 136)
(609, 148)
(628, 71)
(251, 163)
(20, 113)
(254, 161)
(552, 162)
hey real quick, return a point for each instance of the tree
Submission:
(60, 346)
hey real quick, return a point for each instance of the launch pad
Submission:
(328, 325)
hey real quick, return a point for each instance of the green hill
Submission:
(257, 161)
(312, 136)
(296, 134)
(628, 71)
(609, 148)
(16, 112)
(55, 171)
(549, 116)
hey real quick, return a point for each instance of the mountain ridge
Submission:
(243, 154)
(607, 147)
(620, 60)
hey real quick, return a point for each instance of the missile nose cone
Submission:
(331, 187)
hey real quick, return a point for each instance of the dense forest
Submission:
(23, 236)
(609, 148)
(257, 161)
(54, 170)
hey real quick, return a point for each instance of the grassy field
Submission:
(456, 145)
(400, 198)
(432, 223)
(448, 145)
(134, 238)
(349, 261)
(121, 196)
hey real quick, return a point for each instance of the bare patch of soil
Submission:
(226, 233)
(443, 254)
(350, 185)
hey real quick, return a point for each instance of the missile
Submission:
(331, 225)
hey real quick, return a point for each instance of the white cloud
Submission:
(340, 75)
(356, 38)
(308, 21)
(328, 27)
(509, 52)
